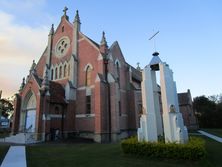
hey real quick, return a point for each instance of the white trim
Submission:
(110, 57)
(84, 115)
(100, 57)
(124, 115)
(88, 65)
(117, 61)
(110, 78)
(56, 116)
(84, 87)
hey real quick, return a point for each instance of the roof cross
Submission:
(154, 41)
(65, 10)
(138, 64)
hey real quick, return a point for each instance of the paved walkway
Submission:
(219, 139)
(15, 157)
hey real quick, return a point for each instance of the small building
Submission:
(186, 108)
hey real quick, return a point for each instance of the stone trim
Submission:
(85, 115)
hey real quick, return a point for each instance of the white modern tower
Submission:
(152, 123)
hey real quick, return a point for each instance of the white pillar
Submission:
(174, 129)
(150, 121)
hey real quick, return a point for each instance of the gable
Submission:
(116, 52)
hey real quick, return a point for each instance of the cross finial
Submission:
(138, 64)
(65, 10)
(154, 41)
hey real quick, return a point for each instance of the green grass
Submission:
(217, 132)
(109, 155)
(3, 151)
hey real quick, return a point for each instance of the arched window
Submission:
(117, 69)
(60, 72)
(52, 73)
(88, 75)
(56, 73)
(88, 104)
(65, 71)
(118, 72)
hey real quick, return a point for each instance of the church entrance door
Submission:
(30, 120)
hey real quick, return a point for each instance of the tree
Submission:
(208, 111)
(6, 107)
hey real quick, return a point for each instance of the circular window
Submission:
(62, 46)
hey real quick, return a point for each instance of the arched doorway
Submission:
(29, 108)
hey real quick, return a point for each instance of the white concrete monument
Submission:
(152, 123)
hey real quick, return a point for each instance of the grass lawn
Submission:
(3, 151)
(217, 132)
(108, 155)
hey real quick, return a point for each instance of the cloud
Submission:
(19, 45)
(21, 5)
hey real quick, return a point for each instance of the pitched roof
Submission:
(136, 74)
(184, 98)
(57, 93)
(56, 90)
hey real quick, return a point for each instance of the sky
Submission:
(189, 39)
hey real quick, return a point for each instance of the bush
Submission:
(193, 150)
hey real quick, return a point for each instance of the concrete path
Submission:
(219, 139)
(15, 157)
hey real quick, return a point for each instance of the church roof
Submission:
(97, 45)
(184, 98)
(56, 90)
(136, 74)
(57, 93)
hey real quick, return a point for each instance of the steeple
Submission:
(103, 44)
(103, 40)
(49, 47)
(32, 69)
(65, 15)
(51, 32)
(75, 51)
(22, 84)
(76, 21)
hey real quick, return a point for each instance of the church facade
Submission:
(79, 87)
(82, 88)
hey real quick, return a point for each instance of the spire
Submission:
(103, 44)
(77, 19)
(22, 84)
(32, 69)
(51, 30)
(65, 15)
(103, 40)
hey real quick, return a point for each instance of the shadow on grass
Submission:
(3, 151)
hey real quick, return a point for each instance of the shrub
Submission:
(193, 150)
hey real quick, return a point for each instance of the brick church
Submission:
(79, 87)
